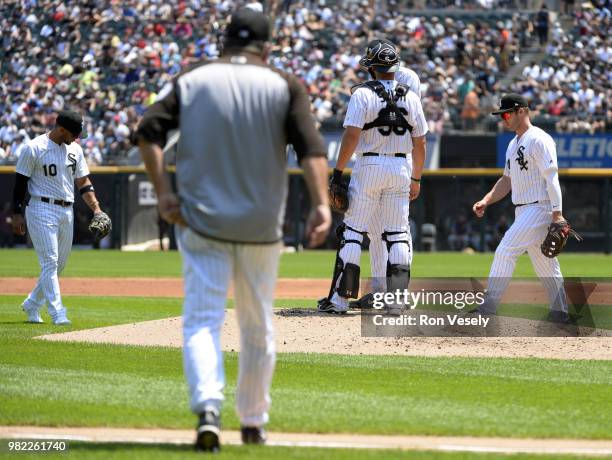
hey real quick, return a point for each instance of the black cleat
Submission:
(253, 435)
(364, 303)
(209, 431)
(324, 305)
(559, 317)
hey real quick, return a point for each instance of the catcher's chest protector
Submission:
(390, 118)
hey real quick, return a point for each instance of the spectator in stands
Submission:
(499, 229)
(460, 233)
(542, 20)
(6, 230)
(106, 58)
(471, 109)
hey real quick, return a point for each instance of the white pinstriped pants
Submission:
(525, 235)
(378, 248)
(208, 268)
(379, 255)
(378, 200)
(50, 228)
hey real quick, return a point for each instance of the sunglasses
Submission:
(506, 115)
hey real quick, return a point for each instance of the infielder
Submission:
(532, 175)
(236, 116)
(385, 127)
(48, 168)
(378, 247)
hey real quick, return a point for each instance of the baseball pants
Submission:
(379, 190)
(379, 254)
(378, 248)
(525, 235)
(50, 227)
(208, 268)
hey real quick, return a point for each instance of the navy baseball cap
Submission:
(510, 102)
(72, 121)
(248, 25)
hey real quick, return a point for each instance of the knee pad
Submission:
(349, 283)
(403, 237)
(398, 277)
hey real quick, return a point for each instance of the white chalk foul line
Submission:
(183, 437)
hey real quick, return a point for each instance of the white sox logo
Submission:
(72, 165)
(387, 55)
(384, 54)
(521, 158)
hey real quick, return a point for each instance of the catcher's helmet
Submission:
(381, 55)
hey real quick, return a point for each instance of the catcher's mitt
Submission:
(338, 193)
(558, 234)
(100, 225)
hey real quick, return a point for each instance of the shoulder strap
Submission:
(356, 87)
(379, 89)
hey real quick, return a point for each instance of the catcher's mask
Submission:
(381, 56)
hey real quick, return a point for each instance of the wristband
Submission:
(87, 188)
(415, 179)
(337, 175)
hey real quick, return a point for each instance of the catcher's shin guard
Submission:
(345, 279)
(398, 275)
(349, 282)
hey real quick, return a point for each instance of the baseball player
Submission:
(385, 127)
(236, 116)
(378, 248)
(532, 175)
(48, 168)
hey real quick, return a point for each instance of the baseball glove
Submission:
(558, 234)
(100, 225)
(338, 192)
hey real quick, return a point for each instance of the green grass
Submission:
(307, 264)
(72, 384)
(95, 451)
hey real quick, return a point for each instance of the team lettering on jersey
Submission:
(521, 158)
(73, 162)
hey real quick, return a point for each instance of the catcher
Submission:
(539, 227)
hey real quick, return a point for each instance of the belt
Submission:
(374, 154)
(65, 204)
(524, 204)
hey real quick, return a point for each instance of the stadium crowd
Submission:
(111, 59)
(573, 81)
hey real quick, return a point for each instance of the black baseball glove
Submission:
(338, 192)
(558, 234)
(100, 225)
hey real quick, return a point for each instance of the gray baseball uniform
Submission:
(236, 116)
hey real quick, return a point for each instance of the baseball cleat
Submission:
(61, 319)
(33, 314)
(324, 305)
(365, 302)
(253, 435)
(560, 317)
(395, 310)
(208, 432)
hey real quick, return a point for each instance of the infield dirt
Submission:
(300, 330)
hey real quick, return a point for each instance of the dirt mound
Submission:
(304, 330)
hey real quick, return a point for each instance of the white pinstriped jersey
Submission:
(528, 160)
(409, 78)
(52, 168)
(364, 107)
